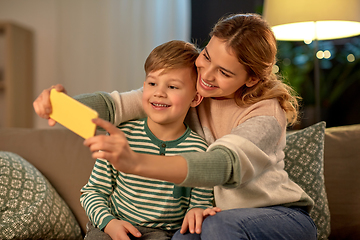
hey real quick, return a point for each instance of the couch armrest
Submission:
(342, 181)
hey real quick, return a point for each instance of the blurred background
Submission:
(92, 45)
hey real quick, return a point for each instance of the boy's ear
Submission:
(252, 81)
(197, 100)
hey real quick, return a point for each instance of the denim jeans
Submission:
(275, 222)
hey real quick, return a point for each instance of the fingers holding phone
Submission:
(42, 104)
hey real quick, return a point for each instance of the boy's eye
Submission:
(173, 87)
(151, 84)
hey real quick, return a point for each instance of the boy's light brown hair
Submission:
(172, 55)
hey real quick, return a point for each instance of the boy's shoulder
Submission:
(194, 136)
(132, 125)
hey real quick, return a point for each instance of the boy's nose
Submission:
(160, 92)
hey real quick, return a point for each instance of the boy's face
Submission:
(168, 96)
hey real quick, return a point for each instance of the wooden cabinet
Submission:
(16, 75)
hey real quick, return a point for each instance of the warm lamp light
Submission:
(307, 20)
(321, 30)
(299, 20)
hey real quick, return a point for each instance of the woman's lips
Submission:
(206, 85)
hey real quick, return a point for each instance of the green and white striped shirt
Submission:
(143, 201)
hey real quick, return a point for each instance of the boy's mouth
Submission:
(160, 105)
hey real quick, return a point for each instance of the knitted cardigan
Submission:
(245, 159)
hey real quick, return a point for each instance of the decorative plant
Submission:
(337, 74)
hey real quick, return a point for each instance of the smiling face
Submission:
(168, 95)
(220, 73)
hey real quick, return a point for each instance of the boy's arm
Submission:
(115, 107)
(96, 193)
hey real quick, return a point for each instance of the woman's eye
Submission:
(151, 84)
(206, 56)
(224, 73)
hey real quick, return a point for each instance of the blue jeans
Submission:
(275, 222)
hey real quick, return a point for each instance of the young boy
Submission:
(120, 204)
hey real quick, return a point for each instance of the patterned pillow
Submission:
(304, 153)
(30, 208)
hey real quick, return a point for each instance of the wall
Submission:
(92, 45)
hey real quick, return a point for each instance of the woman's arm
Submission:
(115, 148)
(207, 168)
(115, 107)
(100, 102)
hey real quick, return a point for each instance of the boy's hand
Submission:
(194, 218)
(114, 147)
(211, 211)
(119, 229)
(42, 104)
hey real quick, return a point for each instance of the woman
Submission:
(243, 116)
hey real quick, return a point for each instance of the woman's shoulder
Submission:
(269, 107)
(272, 103)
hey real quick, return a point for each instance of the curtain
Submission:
(103, 45)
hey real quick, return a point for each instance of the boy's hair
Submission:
(172, 55)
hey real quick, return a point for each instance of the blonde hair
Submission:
(254, 44)
(172, 55)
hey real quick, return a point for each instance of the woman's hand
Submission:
(113, 147)
(119, 230)
(42, 104)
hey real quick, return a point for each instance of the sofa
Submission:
(56, 165)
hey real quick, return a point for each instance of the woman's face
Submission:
(220, 73)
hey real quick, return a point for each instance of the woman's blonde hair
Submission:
(250, 38)
(172, 55)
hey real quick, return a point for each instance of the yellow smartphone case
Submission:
(72, 114)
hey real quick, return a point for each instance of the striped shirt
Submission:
(143, 201)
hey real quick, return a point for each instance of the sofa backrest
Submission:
(62, 158)
(342, 180)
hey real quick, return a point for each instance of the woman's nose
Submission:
(207, 74)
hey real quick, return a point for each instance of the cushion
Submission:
(304, 162)
(342, 165)
(61, 157)
(30, 208)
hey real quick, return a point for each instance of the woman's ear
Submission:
(197, 100)
(252, 81)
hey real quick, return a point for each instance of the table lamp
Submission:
(313, 20)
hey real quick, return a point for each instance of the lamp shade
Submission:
(313, 19)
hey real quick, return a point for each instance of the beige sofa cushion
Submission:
(59, 155)
(30, 208)
(342, 180)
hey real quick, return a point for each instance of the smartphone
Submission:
(72, 114)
